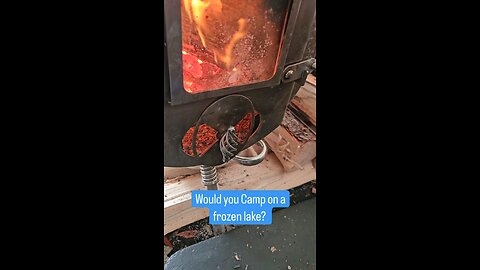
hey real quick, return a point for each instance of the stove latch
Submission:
(299, 70)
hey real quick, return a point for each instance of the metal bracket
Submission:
(299, 70)
(250, 161)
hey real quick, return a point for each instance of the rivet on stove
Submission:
(288, 74)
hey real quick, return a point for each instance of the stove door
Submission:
(221, 47)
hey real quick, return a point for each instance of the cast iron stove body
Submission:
(231, 68)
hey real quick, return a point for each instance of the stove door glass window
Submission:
(228, 43)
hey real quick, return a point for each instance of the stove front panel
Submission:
(220, 51)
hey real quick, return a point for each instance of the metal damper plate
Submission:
(228, 122)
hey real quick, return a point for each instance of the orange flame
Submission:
(226, 55)
(198, 11)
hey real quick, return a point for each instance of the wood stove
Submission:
(231, 68)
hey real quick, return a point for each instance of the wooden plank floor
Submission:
(268, 175)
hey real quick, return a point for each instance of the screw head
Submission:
(288, 74)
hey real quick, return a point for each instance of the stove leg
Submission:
(210, 180)
(209, 177)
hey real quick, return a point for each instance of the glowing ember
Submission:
(243, 127)
(206, 138)
(197, 70)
